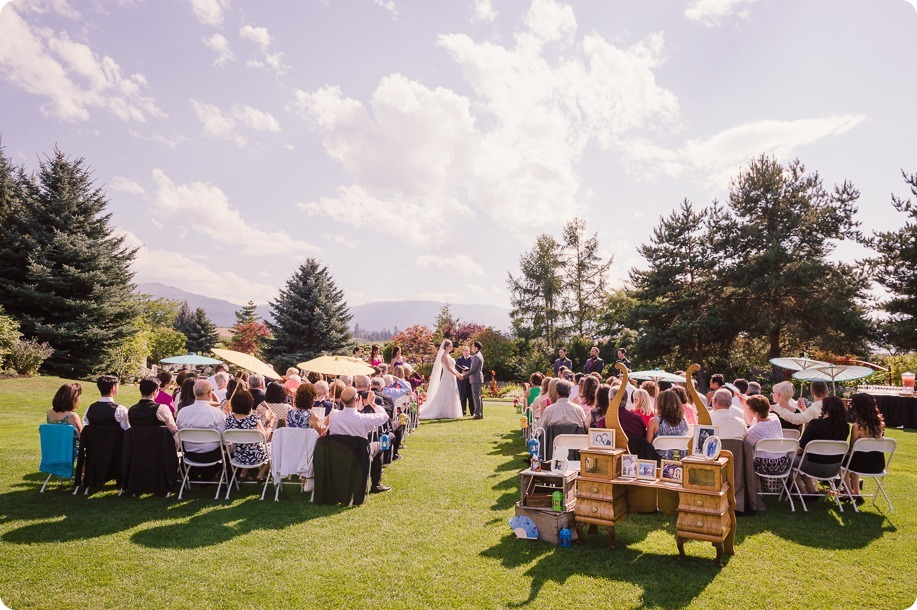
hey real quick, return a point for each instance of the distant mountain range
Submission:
(370, 316)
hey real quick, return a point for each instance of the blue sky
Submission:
(417, 148)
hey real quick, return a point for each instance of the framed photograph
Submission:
(601, 438)
(646, 470)
(628, 466)
(701, 434)
(672, 472)
(712, 447)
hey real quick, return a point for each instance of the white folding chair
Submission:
(691, 428)
(863, 445)
(787, 446)
(403, 405)
(291, 454)
(573, 442)
(200, 435)
(832, 470)
(791, 433)
(241, 437)
(669, 443)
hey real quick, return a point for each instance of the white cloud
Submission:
(152, 265)
(43, 7)
(512, 150)
(210, 12)
(340, 240)
(712, 12)
(720, 156)
(460, 265)
(212, 215)
(73, 77)
(443, 297)
(257, 35)
(219, 125)
(483, 11)
(220, 45)
(126, 185)
(388, 5)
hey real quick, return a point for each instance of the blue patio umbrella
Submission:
(192, 359)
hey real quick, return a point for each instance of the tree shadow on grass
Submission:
(196, 521)
(662, 578)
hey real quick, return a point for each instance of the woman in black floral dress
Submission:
(242, 418)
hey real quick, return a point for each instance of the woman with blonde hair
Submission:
(783, 395)
(543, 400)
(643, 405)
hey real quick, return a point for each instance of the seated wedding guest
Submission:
(602, 398)
(301, 415)
(221, 380)
(754, 388)
(375, 356)
(765, 425)
(690, 410)
(819, 391)
(562, 411)
(273, 410)
(335, 390)
(643, 405)
(670, 420)
(147, 412)
(350, 422)
(832, 426)
(293, 380)
(314, 377)
(256, 389)
(651, 388)
(587, 393)
(867, 423)
(185, 395)
(164, 394)
(631, 423)
(542, 400)
(415, 379)
(322, 404)
(783, 395)
(63, 410)
(242, 418)
(376, 387)
(716, 382)
(106, 411)
(347, 380)
(534, 389)
(202, 414)
(742, 386)
(220, 368)
(730, 425)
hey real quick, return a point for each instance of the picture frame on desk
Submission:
(672, 472)
(646, 470)
(629, 466)
(701, 434)
(601, 438)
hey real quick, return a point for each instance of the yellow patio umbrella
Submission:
(336, 365)
(247, 361)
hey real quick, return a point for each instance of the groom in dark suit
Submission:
(475, 376)
(464, 384)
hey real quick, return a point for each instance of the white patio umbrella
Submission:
(798, 364)
(657, 375)
(834, 373)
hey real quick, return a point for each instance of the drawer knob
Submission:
(698, 503)
(595, 509)
(699, 523)
(594, 489)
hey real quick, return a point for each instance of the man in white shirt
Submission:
(563, 411)
(729, 424)
(220, 368)
(350, 422)
(200, 414)
(819, 392)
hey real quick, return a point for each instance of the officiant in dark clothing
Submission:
(462, 365)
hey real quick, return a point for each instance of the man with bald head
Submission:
(200, 414)
(729, 423)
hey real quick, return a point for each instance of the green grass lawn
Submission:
(439, 539)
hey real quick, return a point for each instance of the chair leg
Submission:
(220, 482)
(789, 496)
(232, 480)
(42, 490)
(799, 494)
(880, 488)
(76, 489)
(264, 489)
(184, 481)
(837, 499)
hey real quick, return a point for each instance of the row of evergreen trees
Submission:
(732, 283)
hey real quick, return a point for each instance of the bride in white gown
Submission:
(443, 395)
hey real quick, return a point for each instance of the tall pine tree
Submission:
(63, 272)
(201, 334)
(248, 332)
(896, 270)
(537, 294)
(310, 318)
(586, 277)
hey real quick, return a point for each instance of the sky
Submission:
(418, 148)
